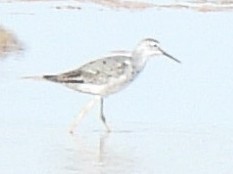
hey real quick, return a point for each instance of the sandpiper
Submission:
(107, 75)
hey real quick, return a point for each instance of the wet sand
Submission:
(201, 6)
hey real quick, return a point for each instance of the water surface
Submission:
(172, 119)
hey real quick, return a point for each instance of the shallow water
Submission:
(172, 119)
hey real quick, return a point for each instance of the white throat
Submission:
(139, 60)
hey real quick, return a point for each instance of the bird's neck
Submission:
(139, 60)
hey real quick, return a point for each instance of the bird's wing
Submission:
(97, 72)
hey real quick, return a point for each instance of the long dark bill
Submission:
(171, 57)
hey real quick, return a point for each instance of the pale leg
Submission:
(83, 112)
(102, 114)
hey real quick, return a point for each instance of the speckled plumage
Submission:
(100, 77)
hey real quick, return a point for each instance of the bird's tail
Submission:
(52, 78)
(34, 77)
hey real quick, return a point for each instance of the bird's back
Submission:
(101, 77)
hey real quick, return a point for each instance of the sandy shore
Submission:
(8, 42)
(198, 5)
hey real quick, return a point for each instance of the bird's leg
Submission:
(82, 113)
(102, 114)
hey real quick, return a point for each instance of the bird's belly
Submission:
(113, 85)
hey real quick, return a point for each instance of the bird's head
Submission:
(151, 47)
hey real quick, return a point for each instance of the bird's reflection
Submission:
(96, 154)
(85, 145)
(102, 141)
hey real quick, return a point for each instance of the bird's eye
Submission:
(155, 45)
